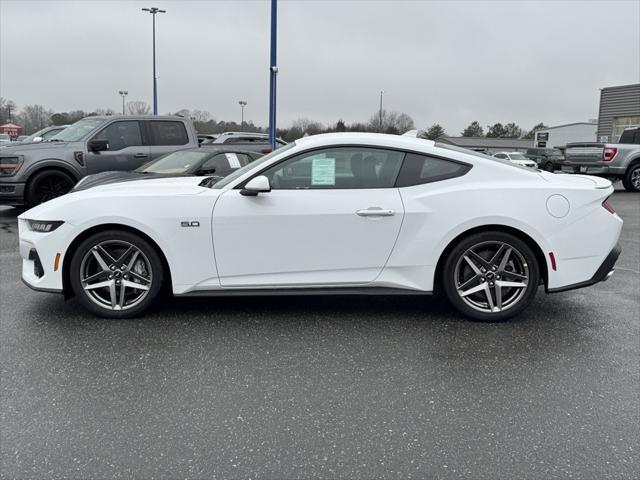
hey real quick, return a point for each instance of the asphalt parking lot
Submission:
(330, 387)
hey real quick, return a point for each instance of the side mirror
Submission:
(256, 185)
(37, 139)
(98, 145)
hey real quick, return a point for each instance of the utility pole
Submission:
(381, 92)
(123, 93)
(273, 72)
(153, 11)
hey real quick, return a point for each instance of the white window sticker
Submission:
(234, 162)
(323, 171)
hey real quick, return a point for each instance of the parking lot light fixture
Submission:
(123, 94)
(153, 11)
(242, 103)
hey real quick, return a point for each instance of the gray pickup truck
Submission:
(616, 161)
(34, 173)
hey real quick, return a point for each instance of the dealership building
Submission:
(560, 135)
(619, 109)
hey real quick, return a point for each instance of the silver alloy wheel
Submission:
(491, 276)
(115, 274)
(635, 178)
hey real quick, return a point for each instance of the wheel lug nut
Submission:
(110, 277)
(497, 277)
(482, 280)
(491, 284)
(122, 267)
(112, 267)
(494, 268)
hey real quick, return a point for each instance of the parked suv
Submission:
(549, 159)
(257, 142)
(36, 172)
(616, 161)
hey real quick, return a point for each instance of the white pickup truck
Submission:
(616, 161)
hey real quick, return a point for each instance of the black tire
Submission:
(522, 261)
(122, 240)
(46, 185)
(631, 179)
(549, 167)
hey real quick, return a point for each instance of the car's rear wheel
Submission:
(491, 276)
(46, 185)
(116, 274)
(631, 179)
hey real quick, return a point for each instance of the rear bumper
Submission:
(592, 168)
(602, 274)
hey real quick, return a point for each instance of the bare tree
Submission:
(7, 110)
(392, 122)
(33, 118)
(138, 107)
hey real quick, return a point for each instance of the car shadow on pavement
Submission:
(425, 324)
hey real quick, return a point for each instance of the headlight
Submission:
(44, 226)
(10, 165)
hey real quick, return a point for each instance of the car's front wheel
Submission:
(46, 185)
(549, 167)
(116, 274)
(491, 276)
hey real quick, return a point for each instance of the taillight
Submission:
(264, 151)
(608, 206)
(608, 153)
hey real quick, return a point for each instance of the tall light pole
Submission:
(123, 93)
(243, 103)
(381, 92)
(273, 73)
(153, 11)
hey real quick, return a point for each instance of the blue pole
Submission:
(155, 80)
(273, 69)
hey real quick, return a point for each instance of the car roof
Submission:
(372, 139)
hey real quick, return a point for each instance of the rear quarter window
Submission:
(419, 169)
(165, 132)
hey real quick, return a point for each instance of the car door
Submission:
(127, 149)
(166, 136)
(331, 218)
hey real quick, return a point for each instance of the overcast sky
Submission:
(446, 62)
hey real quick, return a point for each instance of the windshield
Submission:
(517, 156)
(78, 130)
(482, 155)
(34, 135)
(256, 163)
(176, 162)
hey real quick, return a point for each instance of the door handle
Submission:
(375, 212)
(140, 155)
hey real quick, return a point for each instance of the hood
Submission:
(62, 208)
(569, 180)
(30, 147)
(106, 178)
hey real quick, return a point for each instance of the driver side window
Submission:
(337, 168)
(121, 135)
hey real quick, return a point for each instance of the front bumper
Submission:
(38, 252)
(11, 193)
(602, 274)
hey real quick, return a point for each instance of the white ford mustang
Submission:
(333, 214)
